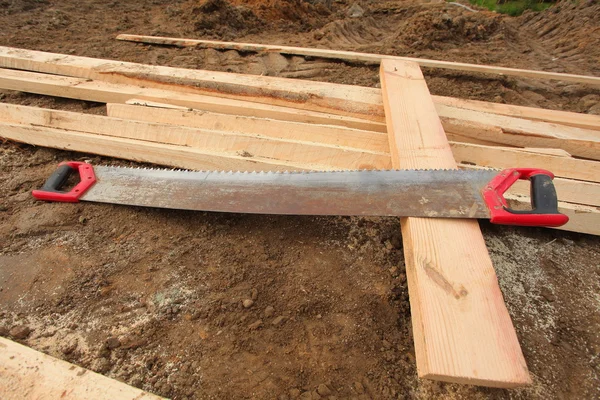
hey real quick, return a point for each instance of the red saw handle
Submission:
(544, 202)
(51, 189)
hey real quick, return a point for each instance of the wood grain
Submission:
(139, 150)
(292, 152)
(586, 121)
(311, 95)
(359, 140)
(462, 330)
(106, 92)
(29, 374)
(503, 157)
(520, 132)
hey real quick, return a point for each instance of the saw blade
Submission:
(409, 193)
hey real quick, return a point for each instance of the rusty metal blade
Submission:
(409, 193)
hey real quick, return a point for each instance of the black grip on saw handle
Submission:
(58, 179)
(543, 195)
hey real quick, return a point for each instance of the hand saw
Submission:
(403, 193)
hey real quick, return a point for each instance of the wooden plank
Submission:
(521, 132)
(586, 121)
(310, 95)
(139, 150)
(461, 327)
(347, 100)
(502, 157)
(360, 57)
(456, 137)
(262, 127)
(295, 152)
(541, 150)
(154, 104)
(117, 93)
(104, 92)
(29, 374)
(489, 156)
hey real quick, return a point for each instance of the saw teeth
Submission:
(295, 172)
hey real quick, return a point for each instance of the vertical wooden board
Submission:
(462, 330)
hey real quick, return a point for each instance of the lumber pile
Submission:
(201, 119)
(213, 120)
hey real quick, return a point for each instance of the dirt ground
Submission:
(204, 305)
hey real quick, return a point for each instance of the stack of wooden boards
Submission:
(201, 119)
(213, 120)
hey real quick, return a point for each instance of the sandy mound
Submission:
(433, 29)
(570, 31)
(229, 19)
(15, 6)
(220, 18)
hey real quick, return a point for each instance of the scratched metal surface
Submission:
(421, 193)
